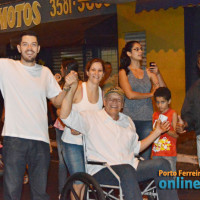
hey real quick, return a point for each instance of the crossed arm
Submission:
(155, 77)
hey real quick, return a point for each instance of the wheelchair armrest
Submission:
(93, 162)
(140, 158)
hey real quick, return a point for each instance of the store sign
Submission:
(23, 15)
(113, 1)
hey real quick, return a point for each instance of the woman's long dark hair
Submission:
(125, 61)
(68, 65)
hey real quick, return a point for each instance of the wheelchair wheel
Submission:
(89, 183)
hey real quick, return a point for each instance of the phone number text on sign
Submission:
(65, 7)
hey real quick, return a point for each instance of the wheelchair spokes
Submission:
(90, 184)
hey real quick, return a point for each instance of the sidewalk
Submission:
(186, 145)
(187, 161)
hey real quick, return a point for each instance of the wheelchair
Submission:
(95, 191)
(91, 187)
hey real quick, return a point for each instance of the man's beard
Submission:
(27, 59)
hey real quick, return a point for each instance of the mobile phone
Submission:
(162, 118)
(151, 64)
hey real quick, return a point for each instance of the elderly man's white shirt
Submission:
(114, 142)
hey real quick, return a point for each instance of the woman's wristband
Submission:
(66, 89)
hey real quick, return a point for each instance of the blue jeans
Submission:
(74, 158)
(18, 152)
(130, 177)
(172, 160)
(62, 169)
(143, 129)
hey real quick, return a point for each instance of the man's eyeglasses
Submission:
(137, 49)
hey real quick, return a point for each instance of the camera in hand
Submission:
(151, 64)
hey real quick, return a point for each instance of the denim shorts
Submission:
(143, 129)
(74, 157)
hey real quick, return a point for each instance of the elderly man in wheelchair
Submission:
(111, 137)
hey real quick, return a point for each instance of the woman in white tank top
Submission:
(87, 97)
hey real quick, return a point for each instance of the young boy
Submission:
(165, 145)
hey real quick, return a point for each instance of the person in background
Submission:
(111, 137)
(190, 112)
(67, 65)
(108, 71)
(25, 87)
(88, 97)
(165, 145)
(139, 84)
(108, 79)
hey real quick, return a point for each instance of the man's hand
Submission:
(162, 127)
(71, 80)
(74, 132)
(58, 77)
(180, 126)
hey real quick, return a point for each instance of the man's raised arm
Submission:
(72, 80)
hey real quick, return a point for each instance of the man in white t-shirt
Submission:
(25, 87)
